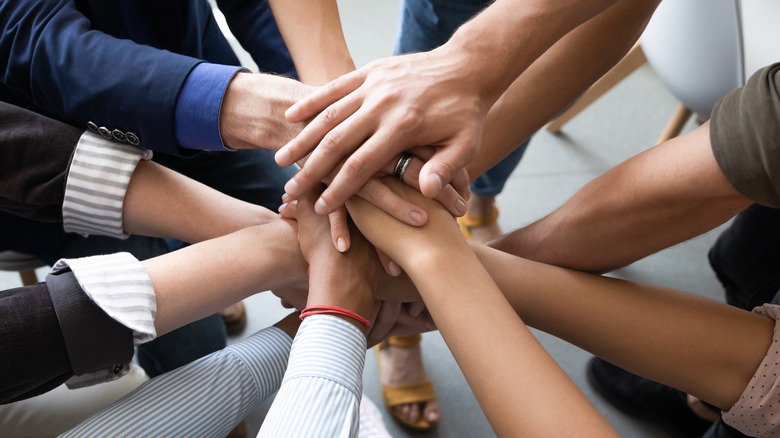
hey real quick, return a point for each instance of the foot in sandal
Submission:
(407, 392)
(480, 223)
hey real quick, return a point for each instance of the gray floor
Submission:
(621, 124)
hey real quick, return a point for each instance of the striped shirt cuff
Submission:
(97, 182)
(119, 285)
(330, 348)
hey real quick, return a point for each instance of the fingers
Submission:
(443, 166)
(385, 319)
(339, 229)
(377, 193)
(288, 210)
(415, 308)
(390, 266)
(364, 163)
(324, 96)
(448, 197)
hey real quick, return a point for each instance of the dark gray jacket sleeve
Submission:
(35, 153)
(745, 137)
(51, 331)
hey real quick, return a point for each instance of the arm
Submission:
(151, 298)
(324, 379)
(208, 397)
(448, 275)
(656, 199)
(437, 98)
(312, 32)
(633, 325)
(557, 78)
(638, 326)
(49, 47)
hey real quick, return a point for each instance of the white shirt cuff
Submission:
(97, 182)
(119, 285)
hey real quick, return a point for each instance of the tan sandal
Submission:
(405, 394)
(468, 221)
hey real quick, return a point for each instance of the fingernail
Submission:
(282, 157)
(292, 187)
(436, 182)
(282, 207)
(292, 112)
(286, 198)
(341, 244)
(416, 217)
(432, 416)
(394, 269)
(462, 207)
(321, 207)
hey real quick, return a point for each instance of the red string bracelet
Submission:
(318, 310)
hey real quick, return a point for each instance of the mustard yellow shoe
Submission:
(405, 394)
(468, 221)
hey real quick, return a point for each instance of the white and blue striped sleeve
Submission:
(321, 392)
(99, 173)
(206, 398)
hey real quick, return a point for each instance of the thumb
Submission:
(445, 163)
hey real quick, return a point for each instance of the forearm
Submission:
(163, 203)
(505, 38)
(557, 78)
(673, 337)
(656, 199)
(457, 289)
(312, 32)
(200, 279)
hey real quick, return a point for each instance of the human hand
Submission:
(377, 193)
(345, 280)
(252, 113)
(410, 247)
(381, 110)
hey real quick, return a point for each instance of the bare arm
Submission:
(198, 280)
(497, 353)
(160, 202)
(312, 32)
(656, 199)
(677, 338)
(558, 77)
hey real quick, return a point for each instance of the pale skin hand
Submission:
(661, 197)
(448, 273)
(313, 34)
(438, 98)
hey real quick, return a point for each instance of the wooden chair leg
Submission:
(28, 276)
(634, 59)
(676, 124)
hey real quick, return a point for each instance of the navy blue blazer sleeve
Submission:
(52, 57)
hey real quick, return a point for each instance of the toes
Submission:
(431, 411)
(414, 412)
